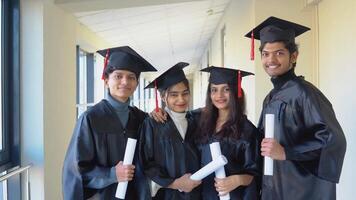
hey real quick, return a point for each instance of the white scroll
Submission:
(209, 168)
(219, 173)
(269, 133)
(128, 158)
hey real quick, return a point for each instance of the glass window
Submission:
(85, 80)
(82, 82)
(10, 95)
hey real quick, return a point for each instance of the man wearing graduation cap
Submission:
(309, 145)
(93, 163)
(167, 151)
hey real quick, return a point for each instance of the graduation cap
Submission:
(275, 29)
(168, 78)
(221, 75)
(125, 58)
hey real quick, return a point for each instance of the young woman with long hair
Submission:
(223, 120)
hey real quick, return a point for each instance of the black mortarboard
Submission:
(125, 58)
(170, 77)
(275, 29)
(221, 75)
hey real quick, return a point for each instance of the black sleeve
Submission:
(73, 167)
(81, 175)
(327, 145)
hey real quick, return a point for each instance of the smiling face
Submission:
(276, 59)
(121, 84)
(220, 96)
(177, 97)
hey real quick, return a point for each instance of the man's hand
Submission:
(271, 148)
(124, 172)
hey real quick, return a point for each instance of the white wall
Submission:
(337, 77)
(49, 37)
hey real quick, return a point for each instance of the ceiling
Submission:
(164, 32)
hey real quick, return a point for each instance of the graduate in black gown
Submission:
(309, 145)
(93, 163)
(223, 120)
(167, 151)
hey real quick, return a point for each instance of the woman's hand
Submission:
(160, 116)
(184, 183)
(124, 172)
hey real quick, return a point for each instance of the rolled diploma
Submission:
(269, 133)
(219, 173)
(128, 157)
(209, 168)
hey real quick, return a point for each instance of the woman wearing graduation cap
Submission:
(223, 120)
(167, 152)
(309, 145)
(93, 163)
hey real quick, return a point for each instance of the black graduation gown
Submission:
(98, 144)
(306, 126)
(165, 156)
(243, 158)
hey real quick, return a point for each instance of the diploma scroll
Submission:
(219, 173)
(269, 133)
(209, 168)
(128, 158)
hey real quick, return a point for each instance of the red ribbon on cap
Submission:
(252, 53)
(156, 96)
(239, 91)
(106, 59)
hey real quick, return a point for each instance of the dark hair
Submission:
(163, 92)
(290, 46)
(110, 69)
(209, 116)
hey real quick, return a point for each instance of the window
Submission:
(10, 98)
(9, 85)
(85, 80)
(142, 98)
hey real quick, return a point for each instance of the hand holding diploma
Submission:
(209, 168)
(270, 148)
(219, 173)
(128, 158)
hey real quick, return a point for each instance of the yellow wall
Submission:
(337, 77)
(48, 61)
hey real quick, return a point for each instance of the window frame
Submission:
(88, 86)
(10, 77)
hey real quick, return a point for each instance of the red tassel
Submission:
(106, 59)
(252, 53)
(156, 96)
(239, 91)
